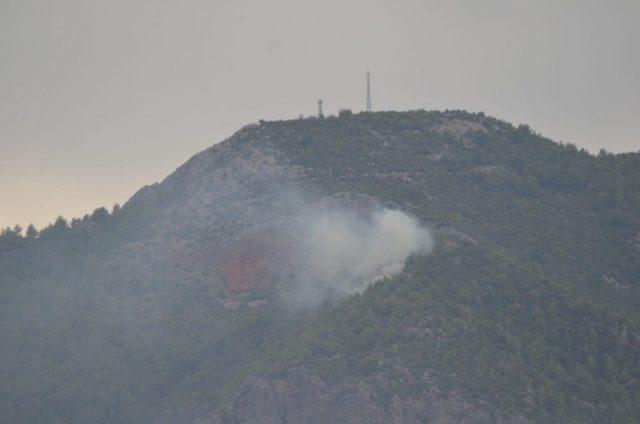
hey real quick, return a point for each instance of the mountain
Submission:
(382, 267)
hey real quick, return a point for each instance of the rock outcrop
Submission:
(301, 397)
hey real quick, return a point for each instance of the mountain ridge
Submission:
(526, 310)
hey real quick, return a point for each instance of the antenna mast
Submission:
(320, 112)
(368, 91)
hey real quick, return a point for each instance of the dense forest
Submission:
(526, 310)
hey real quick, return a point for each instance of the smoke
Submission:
(343, 251)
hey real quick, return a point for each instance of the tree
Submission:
(100, 215)
(32, 233)
(60, 224)
(55, 230)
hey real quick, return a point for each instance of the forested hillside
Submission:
(171, 308)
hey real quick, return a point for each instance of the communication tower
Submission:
(369, 92)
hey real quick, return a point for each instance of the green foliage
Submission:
(538, 315)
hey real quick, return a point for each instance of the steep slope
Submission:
(527, 309)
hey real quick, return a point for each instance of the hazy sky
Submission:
(98, 98)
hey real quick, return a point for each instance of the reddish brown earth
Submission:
(256, 260)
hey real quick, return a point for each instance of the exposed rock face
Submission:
(301, 397)
(256, 260)
(225, 216)
(213, 219)
(458, 127)
(615, 283)
(355, 202)
(258, 257)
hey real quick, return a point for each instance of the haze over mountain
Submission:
(382, 267)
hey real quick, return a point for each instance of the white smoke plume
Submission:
(343, 252)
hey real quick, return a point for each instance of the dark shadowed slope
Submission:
(171, 307)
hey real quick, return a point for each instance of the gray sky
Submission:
(98, 98)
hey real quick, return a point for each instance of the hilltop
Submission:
(169, 308)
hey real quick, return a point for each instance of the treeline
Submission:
(12, 238)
